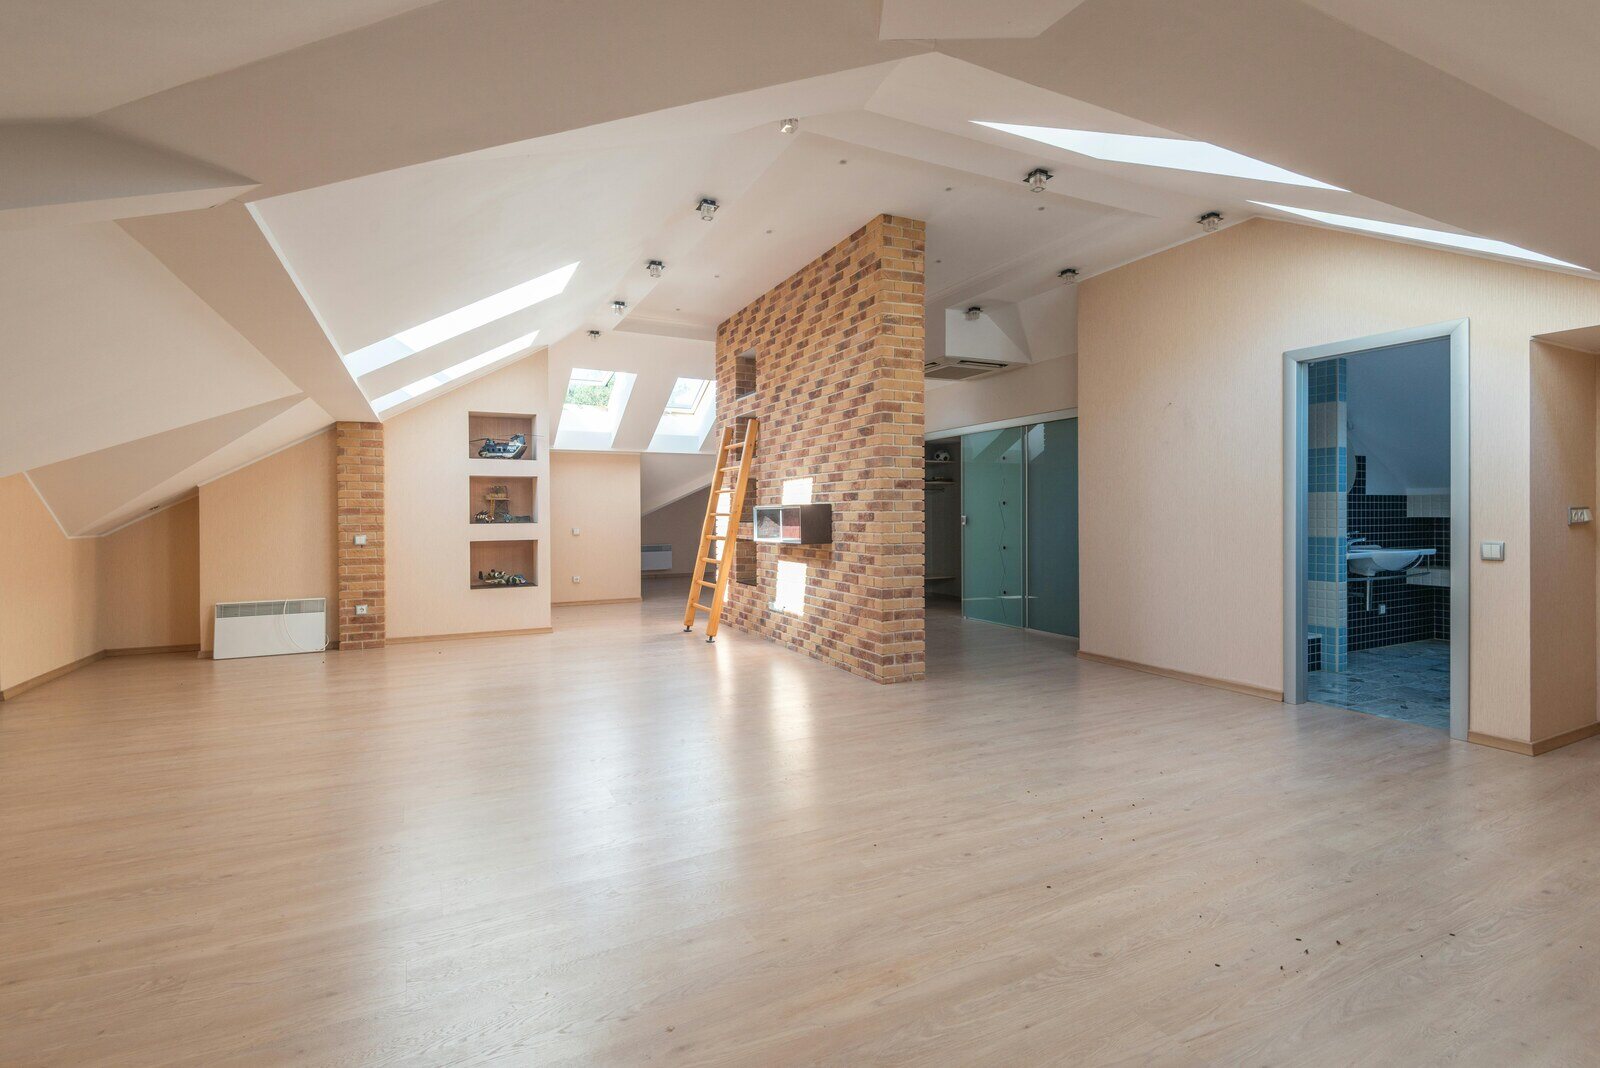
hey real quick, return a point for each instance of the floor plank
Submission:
(617, 845)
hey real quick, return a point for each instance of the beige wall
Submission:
(150, 581)
(1181, 392)
(267, 530)
(1562, 571)
(426, 475)
(49, 599)
(1033, 389)
(598, 493)
(678, 525)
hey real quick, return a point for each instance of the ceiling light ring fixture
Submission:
(1068, 275)
(707, 207)
(973, 314)
(788, 126)
(655, 267)
(618, 307)
(1210, 222)
(1036, 179)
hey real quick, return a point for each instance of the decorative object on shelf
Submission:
(794, 524)
(496, 577)
(940, 456)
(510, 449)
(498, 498)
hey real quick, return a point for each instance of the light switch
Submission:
(361, 609)
(576, 580)
(1583, 514)
(576, 532)
(361, 539)
(1493, 550)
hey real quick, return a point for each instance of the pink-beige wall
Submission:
(150, 581)
(596, 494)
(678, 525)
(1180, 384)
(427, 470)
(1562, 572)
(49, 589)
(267, 530)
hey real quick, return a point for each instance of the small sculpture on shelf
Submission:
(495, 577)
(510, 449)
(498, 499)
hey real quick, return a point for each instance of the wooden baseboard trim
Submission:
(1248, 689)
(415, 638)
(1544, 745)
(148, 650)
(606, 600)
(49, 676)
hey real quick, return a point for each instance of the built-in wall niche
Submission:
(744, 375)
(500, 499)
(494, 435)
(794, 524)
(493, 559)
(746, 566)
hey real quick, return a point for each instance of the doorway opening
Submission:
(1376, 533)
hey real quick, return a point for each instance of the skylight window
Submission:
(686, 395)
(1470, 242)
(450, 374)
(593, 407)
(1200, 157)
(454, 324)
(590, 389)
(687, 418)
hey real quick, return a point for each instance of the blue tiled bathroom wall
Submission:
(1327, 479)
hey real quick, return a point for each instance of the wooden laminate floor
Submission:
(616, 845)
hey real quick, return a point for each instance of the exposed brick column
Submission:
(358, 467)
(836, 381)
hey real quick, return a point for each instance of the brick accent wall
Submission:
(358, 470)
(838, 351)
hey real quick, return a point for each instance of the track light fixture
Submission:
(618, 307)
(707, 208)
(1210, 221)
(788, 126)
(1068, 275)
(594, 335)
(1036, 179)
(974, 313)
(655, 267)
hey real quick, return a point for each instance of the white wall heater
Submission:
(655, 558)
(270, 628)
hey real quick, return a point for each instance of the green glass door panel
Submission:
(1052, 557)
(992, 538)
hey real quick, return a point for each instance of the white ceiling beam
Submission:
(223, 256)
(65, 173)
(643, 413)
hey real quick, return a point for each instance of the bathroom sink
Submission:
(1367, 560)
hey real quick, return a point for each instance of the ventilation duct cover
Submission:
(962, 368)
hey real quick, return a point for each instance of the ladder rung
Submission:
(707, 585)
(702, 607)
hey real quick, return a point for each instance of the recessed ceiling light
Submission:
(1068, 275)
(1210, 222)
(788, 126)
(618, 307)
(655, 267)
(707, 208)
(1173, 153)
(973, 313)
(1471, 242)
(1036, 179)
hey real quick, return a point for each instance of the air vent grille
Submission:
(961, 368)
(241, 609)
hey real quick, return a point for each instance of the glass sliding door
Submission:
(1052, 508)
(993, 531)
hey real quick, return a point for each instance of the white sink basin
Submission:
(1367, 560)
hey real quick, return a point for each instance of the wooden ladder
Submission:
(707, 553)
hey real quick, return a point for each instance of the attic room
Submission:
(611, 535)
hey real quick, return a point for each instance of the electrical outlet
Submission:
(361, 609)
(576, 579)
(1582, 514)
(576, 532)
(361, 539)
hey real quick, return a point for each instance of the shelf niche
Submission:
(500, 427)
(511, 557)
(794, 524)
(519, 498)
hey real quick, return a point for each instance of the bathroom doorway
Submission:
(1375, 479)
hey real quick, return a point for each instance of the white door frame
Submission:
(1295, 393)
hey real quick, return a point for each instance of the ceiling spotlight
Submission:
(973, 313)
(1036, 179)
(1210, 221)
(788, 125)
(655, 267)
(707, 208)
(1069, 275)
(618, 307)
(594, 335)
